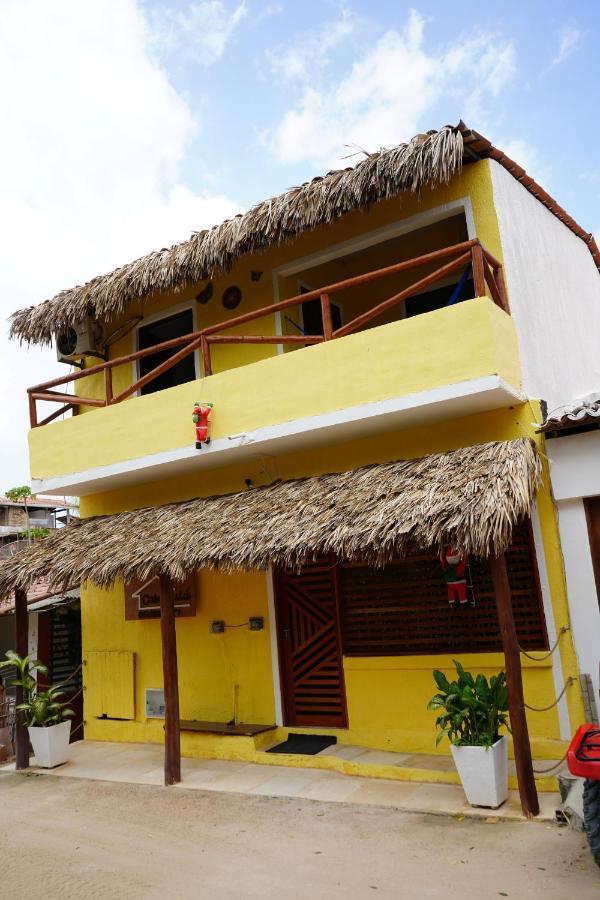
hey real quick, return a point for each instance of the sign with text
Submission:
(142, 598)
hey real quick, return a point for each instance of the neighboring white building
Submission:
(574, 453)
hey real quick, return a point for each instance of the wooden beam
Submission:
(414, 288)
(170, 683)
(22, 647)
(514, 680)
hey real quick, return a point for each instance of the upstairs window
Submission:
(157, 332)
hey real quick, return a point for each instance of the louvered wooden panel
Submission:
(403, 608)
(309, 640)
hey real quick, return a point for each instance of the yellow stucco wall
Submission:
(386, 696)
(450, 345)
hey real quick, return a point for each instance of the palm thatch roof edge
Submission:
(469, 498)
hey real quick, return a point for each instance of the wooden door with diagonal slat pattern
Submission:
(310, 654)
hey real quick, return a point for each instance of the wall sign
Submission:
(142, 598)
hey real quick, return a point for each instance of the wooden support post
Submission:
(514, 680)
(33, 421)
(108, 390)
(206, 361)
(478, 270)
(499, 276)
(22, 647)
(326, 316)
(170, 683)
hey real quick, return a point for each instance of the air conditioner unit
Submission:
(81, 339)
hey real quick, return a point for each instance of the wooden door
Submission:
(310, 654)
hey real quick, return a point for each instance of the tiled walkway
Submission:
(143, 764)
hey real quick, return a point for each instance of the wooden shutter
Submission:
(110, 684)
(403, 608)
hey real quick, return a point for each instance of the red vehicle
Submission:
(583, 759)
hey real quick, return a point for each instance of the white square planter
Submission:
(50, 745)
(483, 772)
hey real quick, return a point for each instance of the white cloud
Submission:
(93, 139)
(384, 97)
(200, 32)
(308, 54)
(569, 38)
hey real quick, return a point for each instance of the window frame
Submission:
(156, 317)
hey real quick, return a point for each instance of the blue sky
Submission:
(535, 98)
(130, 123)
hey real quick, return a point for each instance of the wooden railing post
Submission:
(22, 648)
(170, 682)
(33, 421)
(108, 390)
(499, 278)
(206, 360)
(514, 681)
(326, 316)
(478, 270)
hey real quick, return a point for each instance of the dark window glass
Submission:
(437, 299)
(157, 332)
(312, 317)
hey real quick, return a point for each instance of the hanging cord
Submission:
(65, 680)
(570, 680)
(562, 631)
(550, 768)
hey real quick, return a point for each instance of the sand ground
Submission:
(67, 838)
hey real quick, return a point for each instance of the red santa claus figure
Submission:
(455, 574)
(200, 417)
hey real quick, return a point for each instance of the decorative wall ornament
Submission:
(200, 416)
(457, 577)
(255, 275)
(206, 293)
(232, 297)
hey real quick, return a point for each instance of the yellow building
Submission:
(425, 317)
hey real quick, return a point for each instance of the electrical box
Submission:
(155, 703)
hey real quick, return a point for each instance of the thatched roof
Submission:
(470, 498)
(429, 158)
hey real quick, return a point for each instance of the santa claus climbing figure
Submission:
(200, 417)
(454, 566)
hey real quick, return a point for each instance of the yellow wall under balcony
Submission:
(386, 696)
(447, 346)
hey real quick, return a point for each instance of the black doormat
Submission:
(304, 744)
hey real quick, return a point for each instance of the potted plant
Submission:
(472, 712)
(48, 720)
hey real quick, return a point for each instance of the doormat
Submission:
(304, 744)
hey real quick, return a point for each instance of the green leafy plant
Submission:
(40, 708)
(21, 494)
(473, 709)
(34, 533)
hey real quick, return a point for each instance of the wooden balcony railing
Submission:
(486, 271)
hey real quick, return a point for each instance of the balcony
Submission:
(345, 383)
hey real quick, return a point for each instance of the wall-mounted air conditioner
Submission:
(76, 341)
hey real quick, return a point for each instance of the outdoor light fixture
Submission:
(256, 623)
(217, 627)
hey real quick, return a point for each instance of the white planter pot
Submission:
(484, 772)
(51, 745)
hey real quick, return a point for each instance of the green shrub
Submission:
(40, 708)
(473, 709)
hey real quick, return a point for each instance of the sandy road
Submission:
(66, 838)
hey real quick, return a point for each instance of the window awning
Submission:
(468, 498)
